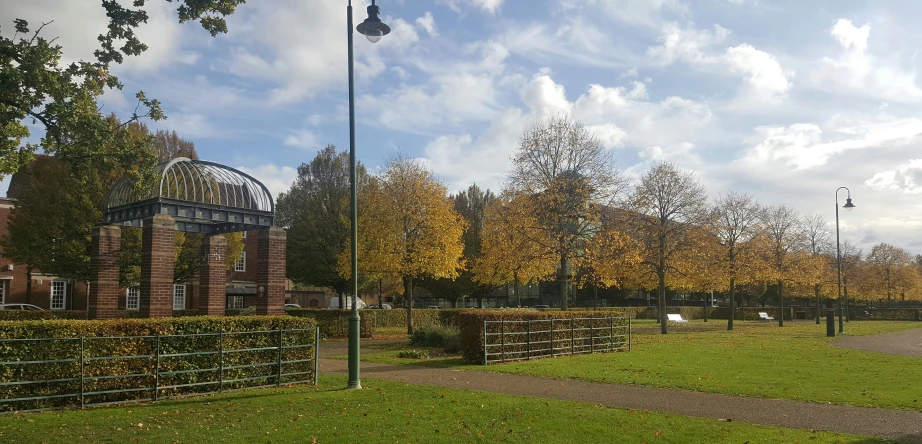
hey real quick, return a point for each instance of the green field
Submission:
(756, 359)
(383, 412)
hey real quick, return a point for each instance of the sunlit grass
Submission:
(383, 412)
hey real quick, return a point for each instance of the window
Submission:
(179, 297)
(133, 300)
(2, 292)
(241, 264)
(244, 235)
(237, 302)
(58, 295)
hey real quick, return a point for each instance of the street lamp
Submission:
(848, 206)
(373, 29)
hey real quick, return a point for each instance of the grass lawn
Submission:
(756, 359)
(382, 412)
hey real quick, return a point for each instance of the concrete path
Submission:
(900, 425)
(906, 342)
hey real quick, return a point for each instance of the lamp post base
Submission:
(354, 353)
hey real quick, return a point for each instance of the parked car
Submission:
(292, 306)
(540, 306)
(384, 306)
(19, 307)
(433, 306)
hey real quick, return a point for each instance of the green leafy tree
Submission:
(316, 212)
(35, 88)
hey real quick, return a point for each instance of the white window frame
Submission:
(241, 264)
(179, 296)
(58, 289)
(236, 303)
(3, 291)
(133, 299)
(244, 234)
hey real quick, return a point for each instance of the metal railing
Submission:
(505, 341)
(93, 371)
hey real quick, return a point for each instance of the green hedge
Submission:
(121, 338)
(471, 324)
(335, 323)
(421, 317)
(24, 315)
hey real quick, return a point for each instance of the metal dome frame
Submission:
(202, 197)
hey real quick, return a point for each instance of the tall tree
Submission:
(885, 263)
(665, 204)
(820, 245)
(35, 89)
(565, 175)
(408, 227)
(785, 253)
(508, 252)
(316, 212)
(734, 221)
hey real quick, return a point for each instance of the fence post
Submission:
(572, 339)
(528, 339)
(82, 372)
(502, 339)
(220, 361)
(157, 370)
(485, 357)
(591, 335)
(611, 333)
(278, 380)
(316, 354)
(629, 333)
(553, 338)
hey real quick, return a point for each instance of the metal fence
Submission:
(92, 371)
(505, 341)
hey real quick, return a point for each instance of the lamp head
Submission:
(373, 28)
(848, 204)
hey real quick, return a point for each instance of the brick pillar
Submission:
(270, 271)
(104, 288)
(158, 249)
(212, 288)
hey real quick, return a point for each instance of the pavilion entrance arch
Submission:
(191, 196)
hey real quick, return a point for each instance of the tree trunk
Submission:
(563, 277)
(408, 295)
(707, 304)
(780, 304)
(29, 284)
(662, 300)
(845, 293)
(595, 297)
(732, 304)
(515, 288)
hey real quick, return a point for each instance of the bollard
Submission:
(830, 323)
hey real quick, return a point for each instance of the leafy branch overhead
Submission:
(36, 89)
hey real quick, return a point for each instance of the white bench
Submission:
(765, 317)
(675, 318)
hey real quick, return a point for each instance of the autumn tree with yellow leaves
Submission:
(408, 227)
(785, 253)
(508, 252)
(564, 176)
(887, 271)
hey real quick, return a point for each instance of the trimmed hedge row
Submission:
(24, 315)
(135, 356)
(335, 323)
(471, 324)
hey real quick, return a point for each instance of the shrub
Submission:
(434, 335)
(139, 347)
(23, 315)
(414, 354)
(335, 323)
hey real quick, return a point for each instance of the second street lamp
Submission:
(373, 29)
(848, 206)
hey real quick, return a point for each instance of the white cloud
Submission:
(428, 24)
(489, 6)
(277, 179)
(305, 139)
(906, 178)
(765, 81)
(857, 71)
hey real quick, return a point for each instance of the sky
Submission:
(784, 100)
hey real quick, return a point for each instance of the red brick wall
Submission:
(104, 290)
(270, 271)
(212, 276)
(157, 258)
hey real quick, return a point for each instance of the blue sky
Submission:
(786, 100)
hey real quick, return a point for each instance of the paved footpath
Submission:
(900, 425)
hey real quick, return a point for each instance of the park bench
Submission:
(675, 318)
(765, 317)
